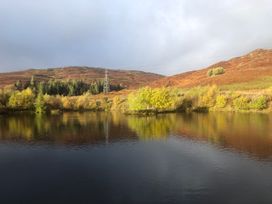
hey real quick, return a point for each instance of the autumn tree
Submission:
(39, 103)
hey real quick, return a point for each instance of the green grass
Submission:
(261, 83)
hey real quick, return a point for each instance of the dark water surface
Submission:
(112, 158)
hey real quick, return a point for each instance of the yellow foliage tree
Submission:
(163, 99)
(140, 100)
(148, 99)
(22, 99)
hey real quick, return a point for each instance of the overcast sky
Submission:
(163, 36)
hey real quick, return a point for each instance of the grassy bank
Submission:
(202, 99)
(27, 100)
(142, 101)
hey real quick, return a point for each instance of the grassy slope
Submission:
(249, 69)
(258, 84)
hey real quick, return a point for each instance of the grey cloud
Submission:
(167, 37)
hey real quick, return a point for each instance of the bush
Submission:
(218, 71)
(210, 73)
(22, 99)
(4, 98)
(258, 103)
(83, 102)
(105, 104)
(68, 103)
(207, 100)
(221, 101)
(245, 103)
(241, 103)
(163, 99)
(117, 103)
(215, 71)
(157, 100)
(140, 100)
(52, 102)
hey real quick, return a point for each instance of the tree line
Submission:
(43, 96)
(65, 88)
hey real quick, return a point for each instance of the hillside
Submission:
(128, 78)
(253, 66)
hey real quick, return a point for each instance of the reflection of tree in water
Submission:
(14, 128)
(152, 127)
(67, 128)
(251, 133)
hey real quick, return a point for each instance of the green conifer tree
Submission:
(39, 103)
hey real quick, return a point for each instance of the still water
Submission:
(113, 158)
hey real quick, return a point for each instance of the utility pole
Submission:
(106, 87)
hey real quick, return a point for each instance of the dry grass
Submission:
(253, 66)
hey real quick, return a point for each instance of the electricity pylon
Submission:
(106, 87)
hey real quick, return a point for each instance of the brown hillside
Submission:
(249, 67)
(130, 79)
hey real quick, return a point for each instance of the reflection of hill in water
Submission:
(250, 133)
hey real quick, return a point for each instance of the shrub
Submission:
(106, 104)
(210, 73)
(163, 99)
(185, 104)
(192, 96)
(4, 98)
(83, 102)
(218, 71)
(119, 103)
(140, 100)
(208, 99)
(215, 71)
(116, 101)
(258, 103)
(221, 101)
(22, 99)
(52, 102)
(241, 103)
(68, 103)
(147, 99)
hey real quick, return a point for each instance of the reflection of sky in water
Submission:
(156, 171)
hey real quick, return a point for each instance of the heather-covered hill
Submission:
(127, 78)
(252, 66)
